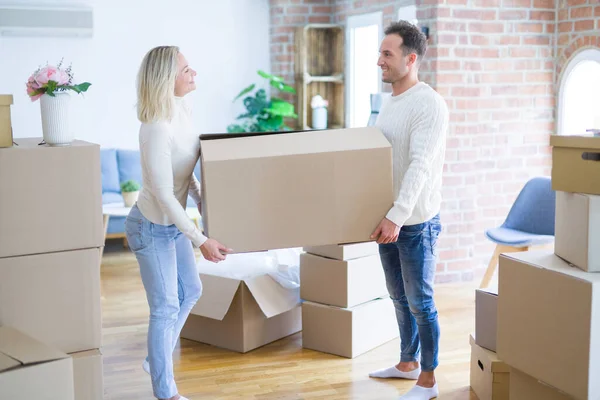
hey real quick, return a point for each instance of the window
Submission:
(363, 37)
(578, 94)
(408, 13)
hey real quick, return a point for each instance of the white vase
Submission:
(319, 118)
(55, 119)
(129, 198)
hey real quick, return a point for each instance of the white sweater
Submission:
(169, 152)
(415, 123)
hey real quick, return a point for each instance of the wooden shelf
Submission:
(338, 78)
(319, 70)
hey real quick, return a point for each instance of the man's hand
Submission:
(214, 251)
(386, 232)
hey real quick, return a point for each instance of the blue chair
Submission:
(530, 222)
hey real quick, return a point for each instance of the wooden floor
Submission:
(281, 370)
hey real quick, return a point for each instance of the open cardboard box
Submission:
(243, 314)
(30, 369)
(265, 191)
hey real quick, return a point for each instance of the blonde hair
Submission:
(156, 84)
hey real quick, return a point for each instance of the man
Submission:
(414, 118)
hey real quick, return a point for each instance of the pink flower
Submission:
(51, 73)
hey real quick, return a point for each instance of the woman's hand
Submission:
(214, 251)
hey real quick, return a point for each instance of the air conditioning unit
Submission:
(46, 21)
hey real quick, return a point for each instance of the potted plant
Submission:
(264, 114)
(53, 85)
(130, 191)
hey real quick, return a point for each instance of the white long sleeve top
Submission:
(415, 123)
(169, 152)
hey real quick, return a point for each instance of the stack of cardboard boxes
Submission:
(346, 310)
(50, 239)
(266, 191)
(548, 304)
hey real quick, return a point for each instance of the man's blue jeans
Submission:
(409, 266)
(168, 269)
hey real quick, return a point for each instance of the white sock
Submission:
(146, 366)
(393, 372)
(421, 393)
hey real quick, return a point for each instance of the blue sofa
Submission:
(118, 165)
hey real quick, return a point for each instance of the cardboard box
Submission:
(51, 198)
(54, 298)
(242, 315)
(576, 163)
(6, 134)
(294, 189)
(548, 316)
(345, 251)
(525, 387)
(486, 315)
(577, 230)
(489, 376)
(87, 375)
(348, 332)
(341, 283)
(30, 369)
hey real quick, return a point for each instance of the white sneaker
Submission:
(146, 368)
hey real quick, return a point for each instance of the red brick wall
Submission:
(578, 28)
(494, 63)
(495, 66)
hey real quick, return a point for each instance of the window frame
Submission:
(585, 54)
(353, 22)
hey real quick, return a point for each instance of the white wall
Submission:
(225, 41)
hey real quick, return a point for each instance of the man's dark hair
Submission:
(413, 40)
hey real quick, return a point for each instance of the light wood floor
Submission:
(281, 370)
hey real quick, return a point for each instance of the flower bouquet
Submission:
(52, 85)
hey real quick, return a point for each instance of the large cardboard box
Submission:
(341, 283)
(345, 251)
(30, 369)
(348, 332)
(88, 375)
(486, 315)
(489, 376)
(576, 163)
(51, 198)
(295, 189)
(549, 316)
(577, 229)
(54, 298)
(6, 134)
(525, 387)
(242, 315)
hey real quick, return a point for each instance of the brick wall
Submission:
(493, 61)
(494, 65)
(578, 28)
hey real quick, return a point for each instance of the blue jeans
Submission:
(168, 270)
(409, 265)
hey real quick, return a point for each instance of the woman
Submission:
(158, 229)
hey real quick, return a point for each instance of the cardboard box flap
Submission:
(291, 143)
(272, 298)
(7, 363)
(25, 349)
(546, 260)
(217, 294)
(578, 142)
(6, 99)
